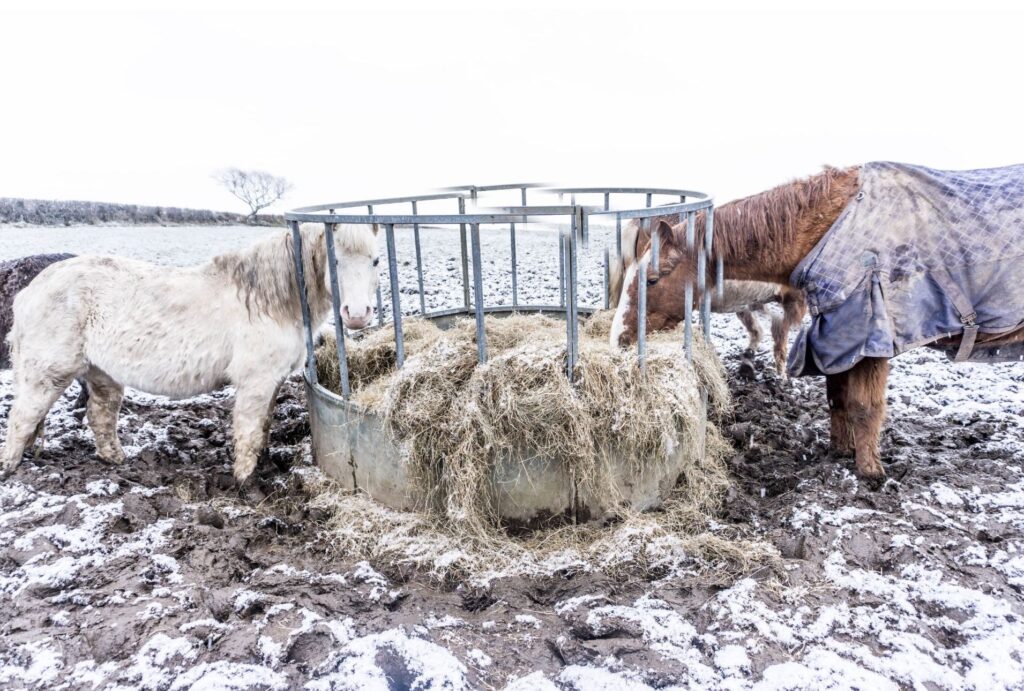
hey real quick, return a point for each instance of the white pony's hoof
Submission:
(112, 459)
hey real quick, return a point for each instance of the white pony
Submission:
(178, 332)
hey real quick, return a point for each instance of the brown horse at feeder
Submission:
(893, 257)
(745, 299)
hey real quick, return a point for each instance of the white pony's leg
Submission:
(32, 400)
(103, 406)
(251, 421)
(753, 328)
(780, 347)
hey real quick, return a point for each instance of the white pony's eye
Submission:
(376, 261)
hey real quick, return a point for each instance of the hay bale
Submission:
(456, 420)
(371, 355)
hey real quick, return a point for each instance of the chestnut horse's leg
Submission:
(863, 397)
(841, 432)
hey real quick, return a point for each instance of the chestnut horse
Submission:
(763, 238)
(745, 299)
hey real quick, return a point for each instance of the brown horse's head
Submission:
(665, 286)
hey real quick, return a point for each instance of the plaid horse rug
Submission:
(918, 255)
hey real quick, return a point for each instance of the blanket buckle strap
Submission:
(963, 353)
(964, 308)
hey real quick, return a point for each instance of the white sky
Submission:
(142, 107)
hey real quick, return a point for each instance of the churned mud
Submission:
(161, 573)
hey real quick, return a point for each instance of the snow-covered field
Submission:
(161, 575)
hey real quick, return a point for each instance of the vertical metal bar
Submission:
(478, 295)
(563, 241)
(688, 291)
(607, 280)
(561, 273)
(705, 294)
(641, 314)
(607, 201)
(574, 302)
(380, 300)
(682, 199)
(701, 261)
(515, 267)
(584, 230)
(709, 230)
(618, 235)
(705, 307)
(396, 305)
(655, 243)
(464, 255)
(339, 328)
(300, 279)
(648, 200)
(419, 262)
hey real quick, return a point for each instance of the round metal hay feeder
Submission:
(353, 446)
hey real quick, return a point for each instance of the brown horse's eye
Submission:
(652, 281)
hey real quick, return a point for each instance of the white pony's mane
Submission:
(356, 239)
(264, 273)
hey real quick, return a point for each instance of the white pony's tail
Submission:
(617, 266)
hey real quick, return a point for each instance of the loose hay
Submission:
(454, 420)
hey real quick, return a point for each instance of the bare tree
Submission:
(254, 187)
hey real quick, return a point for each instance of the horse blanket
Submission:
(918, 255)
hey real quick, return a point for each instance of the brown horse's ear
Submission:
(666, 236)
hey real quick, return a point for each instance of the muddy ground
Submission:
(161, 573)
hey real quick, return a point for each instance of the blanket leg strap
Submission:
(963, 353)
(964, 309)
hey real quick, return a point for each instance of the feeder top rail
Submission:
(525, 213)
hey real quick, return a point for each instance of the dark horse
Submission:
(764, 238)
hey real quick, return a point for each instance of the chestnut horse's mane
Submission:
(771, 218)
(769, 225)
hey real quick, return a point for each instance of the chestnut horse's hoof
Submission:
(840, 448)
(872, 471)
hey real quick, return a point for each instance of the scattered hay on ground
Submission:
(454, 420)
